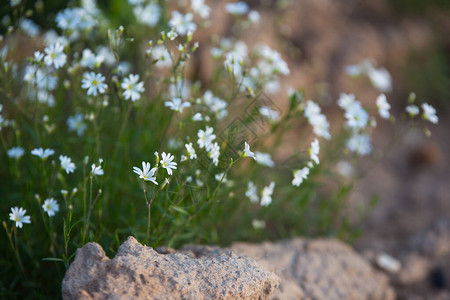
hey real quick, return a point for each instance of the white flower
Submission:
(215, 105)
(357, 117)
(299, 176)
(258, 224)
(380, 78)
(383, 106)
(269, 113)
(177, 104)
(132, 88)
(55, 56)
(96, 169)
(201, 8)
(429, 113)
(191, 151)
(18, 215)
(214, 153)
(205, 138)
(264, 159)
(360, 144)
(75, 123)
(247, 152)
(148, 15)
(267, 192)
(14, 3)
(412, 110)
(182, 23)
(146, 173)
(50, 206)
(42, 153)
(237, 8)
(16, 152)
(162, 55)
(254, 16)
(221, 177)
(67, 164)
(320, 126)
(252, 192)
(314, 151)
(172, 34)
(167, 162)
(346, 100)
(197, 117)
(94, 83)
(344, 168)
(38, 56)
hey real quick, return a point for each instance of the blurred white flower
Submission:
(191, 151)
(17, 215)
(264, 159)
(177, 104)
(162, 55)
(182, 23)
(214, 153)
(132, 87)
(357, 117)
(314, 151)
(383, 106)
(299, 176)
(50, 206)
(201, 8)
(252, 192)
(197, 117)
(254, 16)
(429, 113)
(67, 164)
(75, 123)
(168, 163)
(258, 224)
(266, 197)
(360, 144)
(42, 153)
(269, 113)
(97, 169)
(205, 138)
(94, 83)
(148, 15)
(237, 8)
(412, 110)
(55, 56)
(16, 152)
(381, 79)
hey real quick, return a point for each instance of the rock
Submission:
(318, 269)
(139, 272)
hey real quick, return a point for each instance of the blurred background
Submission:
(319, 38)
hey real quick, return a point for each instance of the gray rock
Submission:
(139, 272)
(318, 269)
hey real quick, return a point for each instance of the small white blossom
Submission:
(146, 173)
(360, 144)
(412, 110)
(266, 197)
(17, 215)
(383, 106)
(167, 162)
(221, 177)
(191, 151)
(269, 113)
(205, 138)
(132, 88)
(357, 117)
(201, 8)
(252, 192)
(148, 15)
(214, 153)
(299, 176)
(264, 159)
(381, 79)
(317, 120)
(314, 151)
(42, 153)
(258, 224)
(162, 56)
(94, 83)
(55, 56)
(197, 117)
(177, 104)
(247, 152)
(97, 169)
(345, 101)
(16, 152)
(254, 16)
(344, 168)
(237, 8)
(67, 164)
(182, 23)
(75, 123)
(50, 206)
(429, 113)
